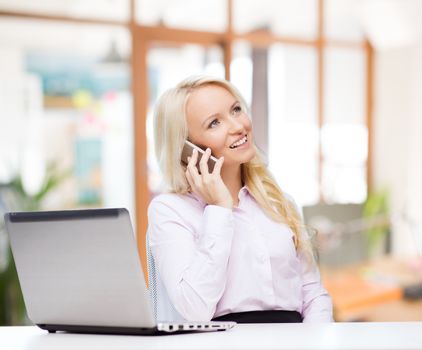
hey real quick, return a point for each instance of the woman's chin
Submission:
(242, 159)
(250, 155)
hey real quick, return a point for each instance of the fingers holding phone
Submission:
(218, 166)
(192, 173)
(187, 152)
(203, 163)
(209, 186)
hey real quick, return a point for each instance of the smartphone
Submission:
(187, 152)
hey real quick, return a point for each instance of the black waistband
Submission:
(265, 316)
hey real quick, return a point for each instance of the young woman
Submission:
(227, 244)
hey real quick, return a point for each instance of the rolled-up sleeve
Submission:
(192, 266)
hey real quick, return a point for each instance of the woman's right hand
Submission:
(209, 186)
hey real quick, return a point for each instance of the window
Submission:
(306, 114)
(293, 124)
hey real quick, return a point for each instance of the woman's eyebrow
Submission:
(216, 114)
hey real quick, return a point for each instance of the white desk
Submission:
(400, 335)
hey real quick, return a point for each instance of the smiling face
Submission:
(217, 120)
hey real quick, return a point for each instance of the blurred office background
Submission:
(335, 90)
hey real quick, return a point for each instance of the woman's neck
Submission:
(232, 178)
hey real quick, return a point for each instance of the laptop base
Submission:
(52, 328)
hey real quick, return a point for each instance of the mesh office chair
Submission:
(163, 308)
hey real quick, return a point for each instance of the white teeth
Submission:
(238, 143)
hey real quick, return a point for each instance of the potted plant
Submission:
(13, 197)
(376, 213)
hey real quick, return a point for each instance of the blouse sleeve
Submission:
(316, 305)
(192, 269)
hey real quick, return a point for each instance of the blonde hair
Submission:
(171, 129)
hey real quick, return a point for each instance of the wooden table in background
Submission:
(373, 291)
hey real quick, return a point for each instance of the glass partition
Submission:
(66, 115)
(285, 18)
(343, 20)
(205, 15)
(293, 129)
(115, 10)
(241, 68)
(344, 136)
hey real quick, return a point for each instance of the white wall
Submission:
(397, 140)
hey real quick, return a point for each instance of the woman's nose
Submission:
(236, 126)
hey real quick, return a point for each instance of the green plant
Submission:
(376, 213)
(52, 179)
(12, 308)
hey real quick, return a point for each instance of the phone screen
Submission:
(187, 152)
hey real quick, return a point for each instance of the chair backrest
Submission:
(351, 248)
(164, 310)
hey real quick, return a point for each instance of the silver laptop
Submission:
(80, 271)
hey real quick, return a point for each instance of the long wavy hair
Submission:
(171, 130)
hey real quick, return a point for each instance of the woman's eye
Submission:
(237, 109)
(214, 123)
